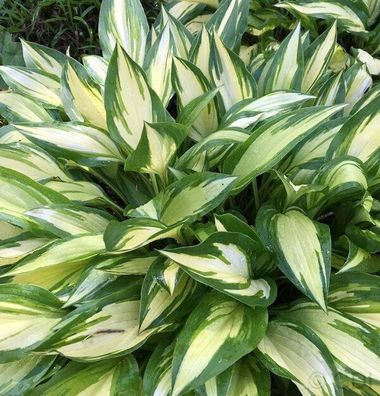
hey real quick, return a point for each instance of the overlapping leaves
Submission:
(162, 206)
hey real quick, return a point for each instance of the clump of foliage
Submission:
(186, 213)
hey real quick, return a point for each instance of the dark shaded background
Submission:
(59, 23)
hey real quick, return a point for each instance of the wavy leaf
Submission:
(219, 330)
(223, 262)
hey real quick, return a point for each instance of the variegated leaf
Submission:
(200, 52)
(158, 65)
(92, 333)
(196, 25)
(182, 38)
(134, 233)
(247, 112)
(28, 314)
(349, 15)
(373, 64)
(230, 21)
(219, 332)
(129, 100)
(359, 260)
(157, 146)
(8, 230)
(36, 85)
(31, 161)
(269, 143)
(187, 199)
(224, 262)
(231, 223)
(294, 192)
(356, 389)
(358, 136)
(49, 60)
(373, 9)
(133, 263)
(70, 220)
(106, 378)
(81, 96)
(284, 69)
(17, 247)
(80, 191)
(19, 193)
(345, 179)
(311, 152)
(18, 108)
(317, 58)
(159, 307)
(123, 22)
(167, 274)
(9, 134)
(357, 294)
(24, 374)
(293, 351)
(210, 3)
(245, 377)
(213, 142)
(302, 248)
(184, 11)
(358, 81)
(81, 143)
(97, 68)
(59, 264)
(366, 99)
(332, 92)
(91, 285)
(157, 375)
(230, 75)
(353, 344)
(366, 237)
(263, 264)
(190, 113)
(189, 83)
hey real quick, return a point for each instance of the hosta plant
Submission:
(180, 219)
